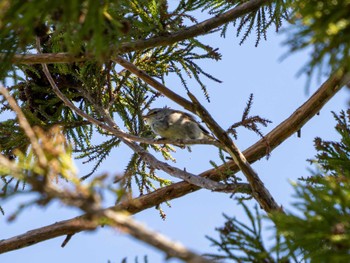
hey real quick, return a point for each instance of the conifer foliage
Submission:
(86, 69)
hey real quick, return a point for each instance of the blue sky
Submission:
(244, 70)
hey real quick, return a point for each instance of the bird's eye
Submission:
(154, 112)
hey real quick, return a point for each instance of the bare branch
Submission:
(155, 239)
(79, 199)
(83, 223)
(260, 192)
(186, 33)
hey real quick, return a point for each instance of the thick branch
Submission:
(258, 150)
(189, 32)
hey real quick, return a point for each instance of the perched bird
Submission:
(175, 124)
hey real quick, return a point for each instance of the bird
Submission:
(174, 124)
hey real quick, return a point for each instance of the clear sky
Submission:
(244, 69)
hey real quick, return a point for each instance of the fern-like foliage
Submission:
(333, 156)
(249, 122)
(260, 20)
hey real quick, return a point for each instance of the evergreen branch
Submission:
(255, 152)
(115, 131)
(186, 33)
(146, 156)
(249, 122)
(236, 237)
(248, 107)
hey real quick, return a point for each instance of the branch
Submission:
(255, 152)
(259, 191)
(82, 223)
(146, 156)
(154, 83)
(157, 240)
(186, 33)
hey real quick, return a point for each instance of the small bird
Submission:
(175, 124)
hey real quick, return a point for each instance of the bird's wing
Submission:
(192, 118)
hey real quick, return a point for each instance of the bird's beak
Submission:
(146, 119)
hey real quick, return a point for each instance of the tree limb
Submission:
(186, 33)
(259, 191)
(255, 152)
(155, 239)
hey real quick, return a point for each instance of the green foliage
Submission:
(321, 228)
(81, 25)
(318, 230)
(249, 122)
(334, 157)
(25, 165)
(180, 59)
(260, 20)
(96, 29)
(322, 231)
(241, 242)
(323, 28)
